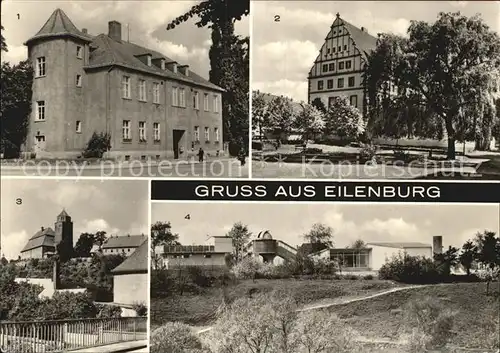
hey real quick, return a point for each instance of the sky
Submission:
(369, 222)
(284, 51)
(118, 207)
(147, 22)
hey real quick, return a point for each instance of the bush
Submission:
(368, 277)
(108, 311)
(312, 150)
(140, 309)
(410, 269)
(248, 268)
(175, 338)
(367, 152)
(97, 145)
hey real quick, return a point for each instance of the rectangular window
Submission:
(341, 65)
(78, 80)
(216, 104)
(339, 49)
(205, 102)
(351, 81)
(333, 50)
(320, 85)
(345, 46)
(328, 51)
(325, 67)
(79, 52)
(348, 64)
(156, 132)
(329, 84)
(142, 131)
(331, 67)
(126, 130)
(207, 134)
(340, 83)
(216, 134)
(196, 103)
(331, 100)
(142, 90)
(175, 96)
(40, 110)
(78, 126)
(40, 66)
(354, 100)
(126, 87)
(156, 92)
(182, 97)
(197, 133)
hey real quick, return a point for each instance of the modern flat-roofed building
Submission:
(151, 105)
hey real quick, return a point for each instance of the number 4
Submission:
(188, 216)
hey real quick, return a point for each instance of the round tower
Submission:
(58, 54)
(265, 246)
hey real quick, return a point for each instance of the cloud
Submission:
(13, 243)
(297, 90)
(95, 225)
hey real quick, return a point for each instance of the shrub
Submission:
(248, 268)
(175, 338)
(140, 309)
(312, 150)
(367, 152)
(368, 277)
(97, 145)
(410, 269)
(108, 311)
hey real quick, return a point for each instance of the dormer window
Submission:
(149, 60)
(162, 64)
(174, 68)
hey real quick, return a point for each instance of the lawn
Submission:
(200, 309)
(382, 317)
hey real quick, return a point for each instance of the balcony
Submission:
(189, 249)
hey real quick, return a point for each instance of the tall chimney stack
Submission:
(115, 30)
(437, 244)
(56, 274)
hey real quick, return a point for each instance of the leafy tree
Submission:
(3, 44)
(358, 244)
(450, 68)
(240, 235)
(309, 122)
(161, 234)
(175, 337)
(84, 245)
(320, 234)
(229, 62)
(15, 107)
(488, 249)
(318, 104)
(447, 260)
(343, 119)
(468, 255)
(260, 113)
(97, 145)
(282, 115)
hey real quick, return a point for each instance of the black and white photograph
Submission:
(376, 90)
(322, 277)
(74, 266)
(125, 88)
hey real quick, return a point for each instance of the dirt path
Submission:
(336, 302)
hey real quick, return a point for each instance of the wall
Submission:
(195, 260)
(221, 244)
(118, 251)
(423, 252)
(130, 288)
(48, 286)
(380, 254)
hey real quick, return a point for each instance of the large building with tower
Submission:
(45, 241)
(338, 68)
(149, 104)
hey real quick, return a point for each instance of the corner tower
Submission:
(58, 52)
(63, 239)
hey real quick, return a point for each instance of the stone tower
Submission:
(58, 54)
(63, 239)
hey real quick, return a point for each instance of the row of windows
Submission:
(178, 95)
(347, 64)
(351, 82)
(127, 132)
(339, 49)
(352, 99)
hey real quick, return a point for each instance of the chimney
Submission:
(84, 30)
(42, 229)
(363, 29)
(437, 244)
(115, 30)
(184, 69)
(56, 274)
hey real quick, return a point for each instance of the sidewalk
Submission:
(115, 348)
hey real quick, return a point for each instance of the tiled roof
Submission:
(363, 40)
(402, 245)
(112, 52)
(63, 213)
(44, 237)
(135, 263)
(59, 25)
(125, 241)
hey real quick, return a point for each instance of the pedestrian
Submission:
(201, 153)
(242, 156)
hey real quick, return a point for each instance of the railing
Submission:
(173, 249)
(65, 335)
(287, 247)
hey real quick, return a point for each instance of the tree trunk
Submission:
(451, 149)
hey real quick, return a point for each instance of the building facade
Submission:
(124, 245)
(150, 105)
(44, 242)
(338, 68)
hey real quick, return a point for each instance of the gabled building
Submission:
(125, 245)
(44, 242)
(338, 68)
(151, 105)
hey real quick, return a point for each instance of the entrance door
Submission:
(177, 137)
(39, 143)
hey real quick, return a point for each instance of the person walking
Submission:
(201, 154)
(242, 156)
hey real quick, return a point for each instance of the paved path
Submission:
(221, 168)
(135, 346)
(340, 301)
